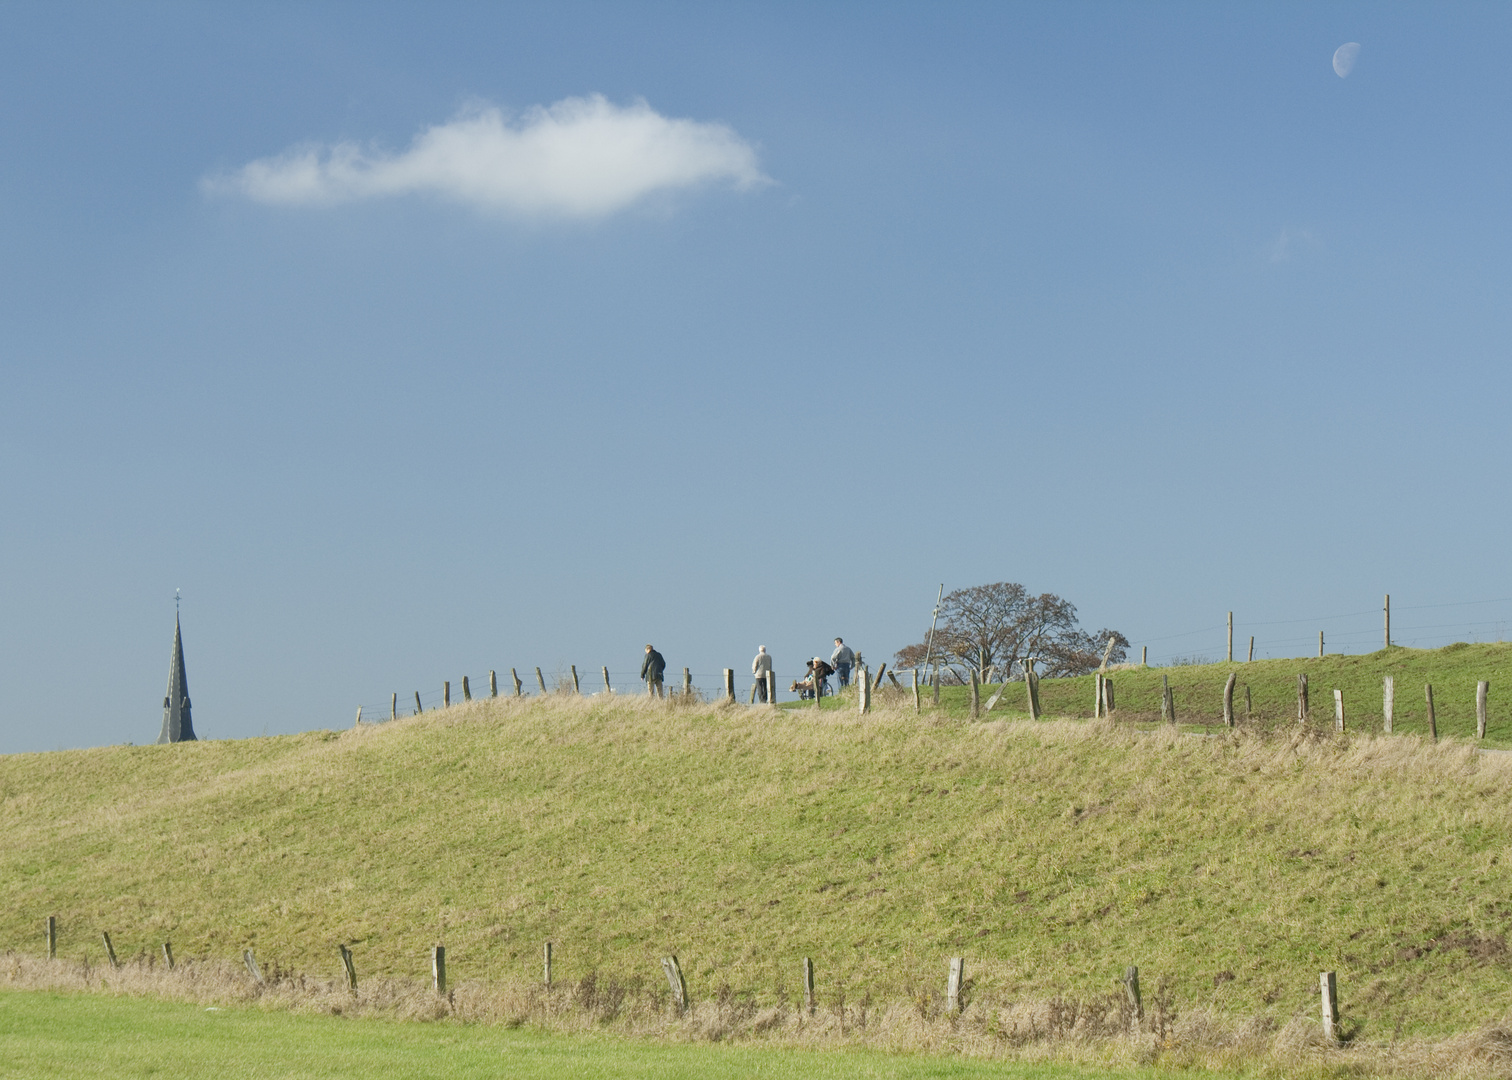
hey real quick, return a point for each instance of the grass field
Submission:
(1198, 690)
(1231, 869)
(82, 1036)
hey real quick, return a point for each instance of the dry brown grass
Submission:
(1090, 1033)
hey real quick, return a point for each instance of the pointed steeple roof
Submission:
(177, 726)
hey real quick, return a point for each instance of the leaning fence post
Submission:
(1131, 990)
(576, 687)
(1339, 710)
(110, 949)
(1388, 702)
(52, 937)
(394, 705)
(676, 981)
(252, 968)
(953, 986)
(546, 964)
(1228, 698)
(540, 680)
(168, 954)
(1167, 705)
(608, 689)
(418, 709)
(348, 967)
(1482, 688)
(916, 689)
(1302, 707)
(438, 968)
(466, 689)
(1432, 720)
(808, 986)
(1329, 985)
(519, 686)
(358, 722)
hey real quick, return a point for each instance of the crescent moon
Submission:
(1344, 58)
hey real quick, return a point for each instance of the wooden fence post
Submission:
(546, 964)
(540, 680)
(1320, 644)
(168, 954)
(1302, 707)
(110, 949)
(877, 679)
(438, 968)
(676, 981)
(1167, 703)
(1097, 700)
(576, 687)
(1031, 684)
(1144, 656)
(52, 937)
(953, 985)
(466, 690)
(1482, 689)
(349, 968)
(976, 696)
(864, 692)
(687, 683)
(1131, 990)
(1329, 985)
(809, 1004)
(729, 681)
(1228, 698)
(1338, 710)
(916, 689)
(608, 689)
(771, 681)
(1432, 720)
(519, 686)
(394, 705)
(358, 722)
(1388, 702)
(1109, 706)
(493, 683)
(252, 968)
(1252, 649)
(418, 708)
(446, 695)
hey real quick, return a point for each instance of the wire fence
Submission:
(1343, 632)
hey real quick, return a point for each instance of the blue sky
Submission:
(1139, 304)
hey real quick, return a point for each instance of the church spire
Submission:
(177, 727)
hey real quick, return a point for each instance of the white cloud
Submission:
(1288, 242)
(583, 157)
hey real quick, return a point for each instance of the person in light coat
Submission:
(842, 660)
(761, 667)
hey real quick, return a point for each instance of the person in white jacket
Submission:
(761, 667)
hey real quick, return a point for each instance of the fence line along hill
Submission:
(1050, 855)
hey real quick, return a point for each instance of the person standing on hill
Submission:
(842, 660)
(761, 667)
(652, 670)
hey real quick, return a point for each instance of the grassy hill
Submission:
(1049, 854)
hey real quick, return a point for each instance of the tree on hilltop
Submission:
(1000, 625)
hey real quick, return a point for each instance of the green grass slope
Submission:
(1051, 855)
(1198, 690)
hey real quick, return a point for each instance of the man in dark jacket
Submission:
(652, 669)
